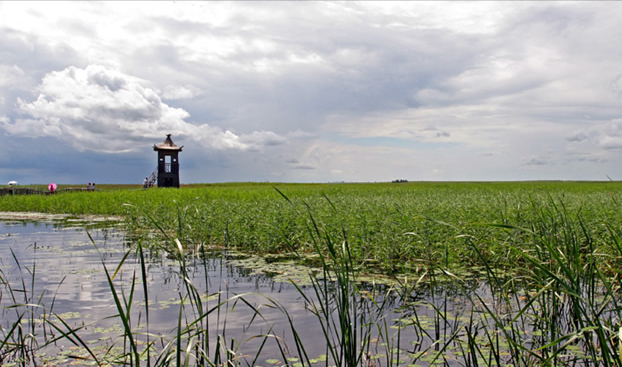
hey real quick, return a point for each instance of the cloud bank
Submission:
(103, 110)
(317, 91)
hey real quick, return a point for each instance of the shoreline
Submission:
(35, 216)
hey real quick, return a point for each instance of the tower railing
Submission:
(168, 167)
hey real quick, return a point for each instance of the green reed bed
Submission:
(562, 310)
(536, 265)
(387, 224)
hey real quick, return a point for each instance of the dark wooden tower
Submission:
(168, 163)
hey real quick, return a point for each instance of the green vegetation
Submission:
(391, 228)
(537, 264)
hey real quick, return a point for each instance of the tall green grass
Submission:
(559, 308)
(536, 264)
(383, 221)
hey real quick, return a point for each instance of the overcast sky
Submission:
(311, 91)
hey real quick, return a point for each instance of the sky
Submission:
(311, 91)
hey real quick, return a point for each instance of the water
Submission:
(60, 268)
(69, 281)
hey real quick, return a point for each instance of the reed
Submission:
(254, 218)
(536, 267)
(562, 311)
(193, 342)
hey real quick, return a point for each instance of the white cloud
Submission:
(11, 75)
(600, 134)
(33, 128)
(179, 92)
(103, 110)
(355, 89)
(610, 142)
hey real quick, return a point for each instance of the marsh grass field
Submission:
(538, 264)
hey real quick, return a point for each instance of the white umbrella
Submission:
(12, 182)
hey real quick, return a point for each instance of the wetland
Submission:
(349, 275)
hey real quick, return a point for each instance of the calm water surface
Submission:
(69, 279)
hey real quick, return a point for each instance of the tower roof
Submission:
(167, 145)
